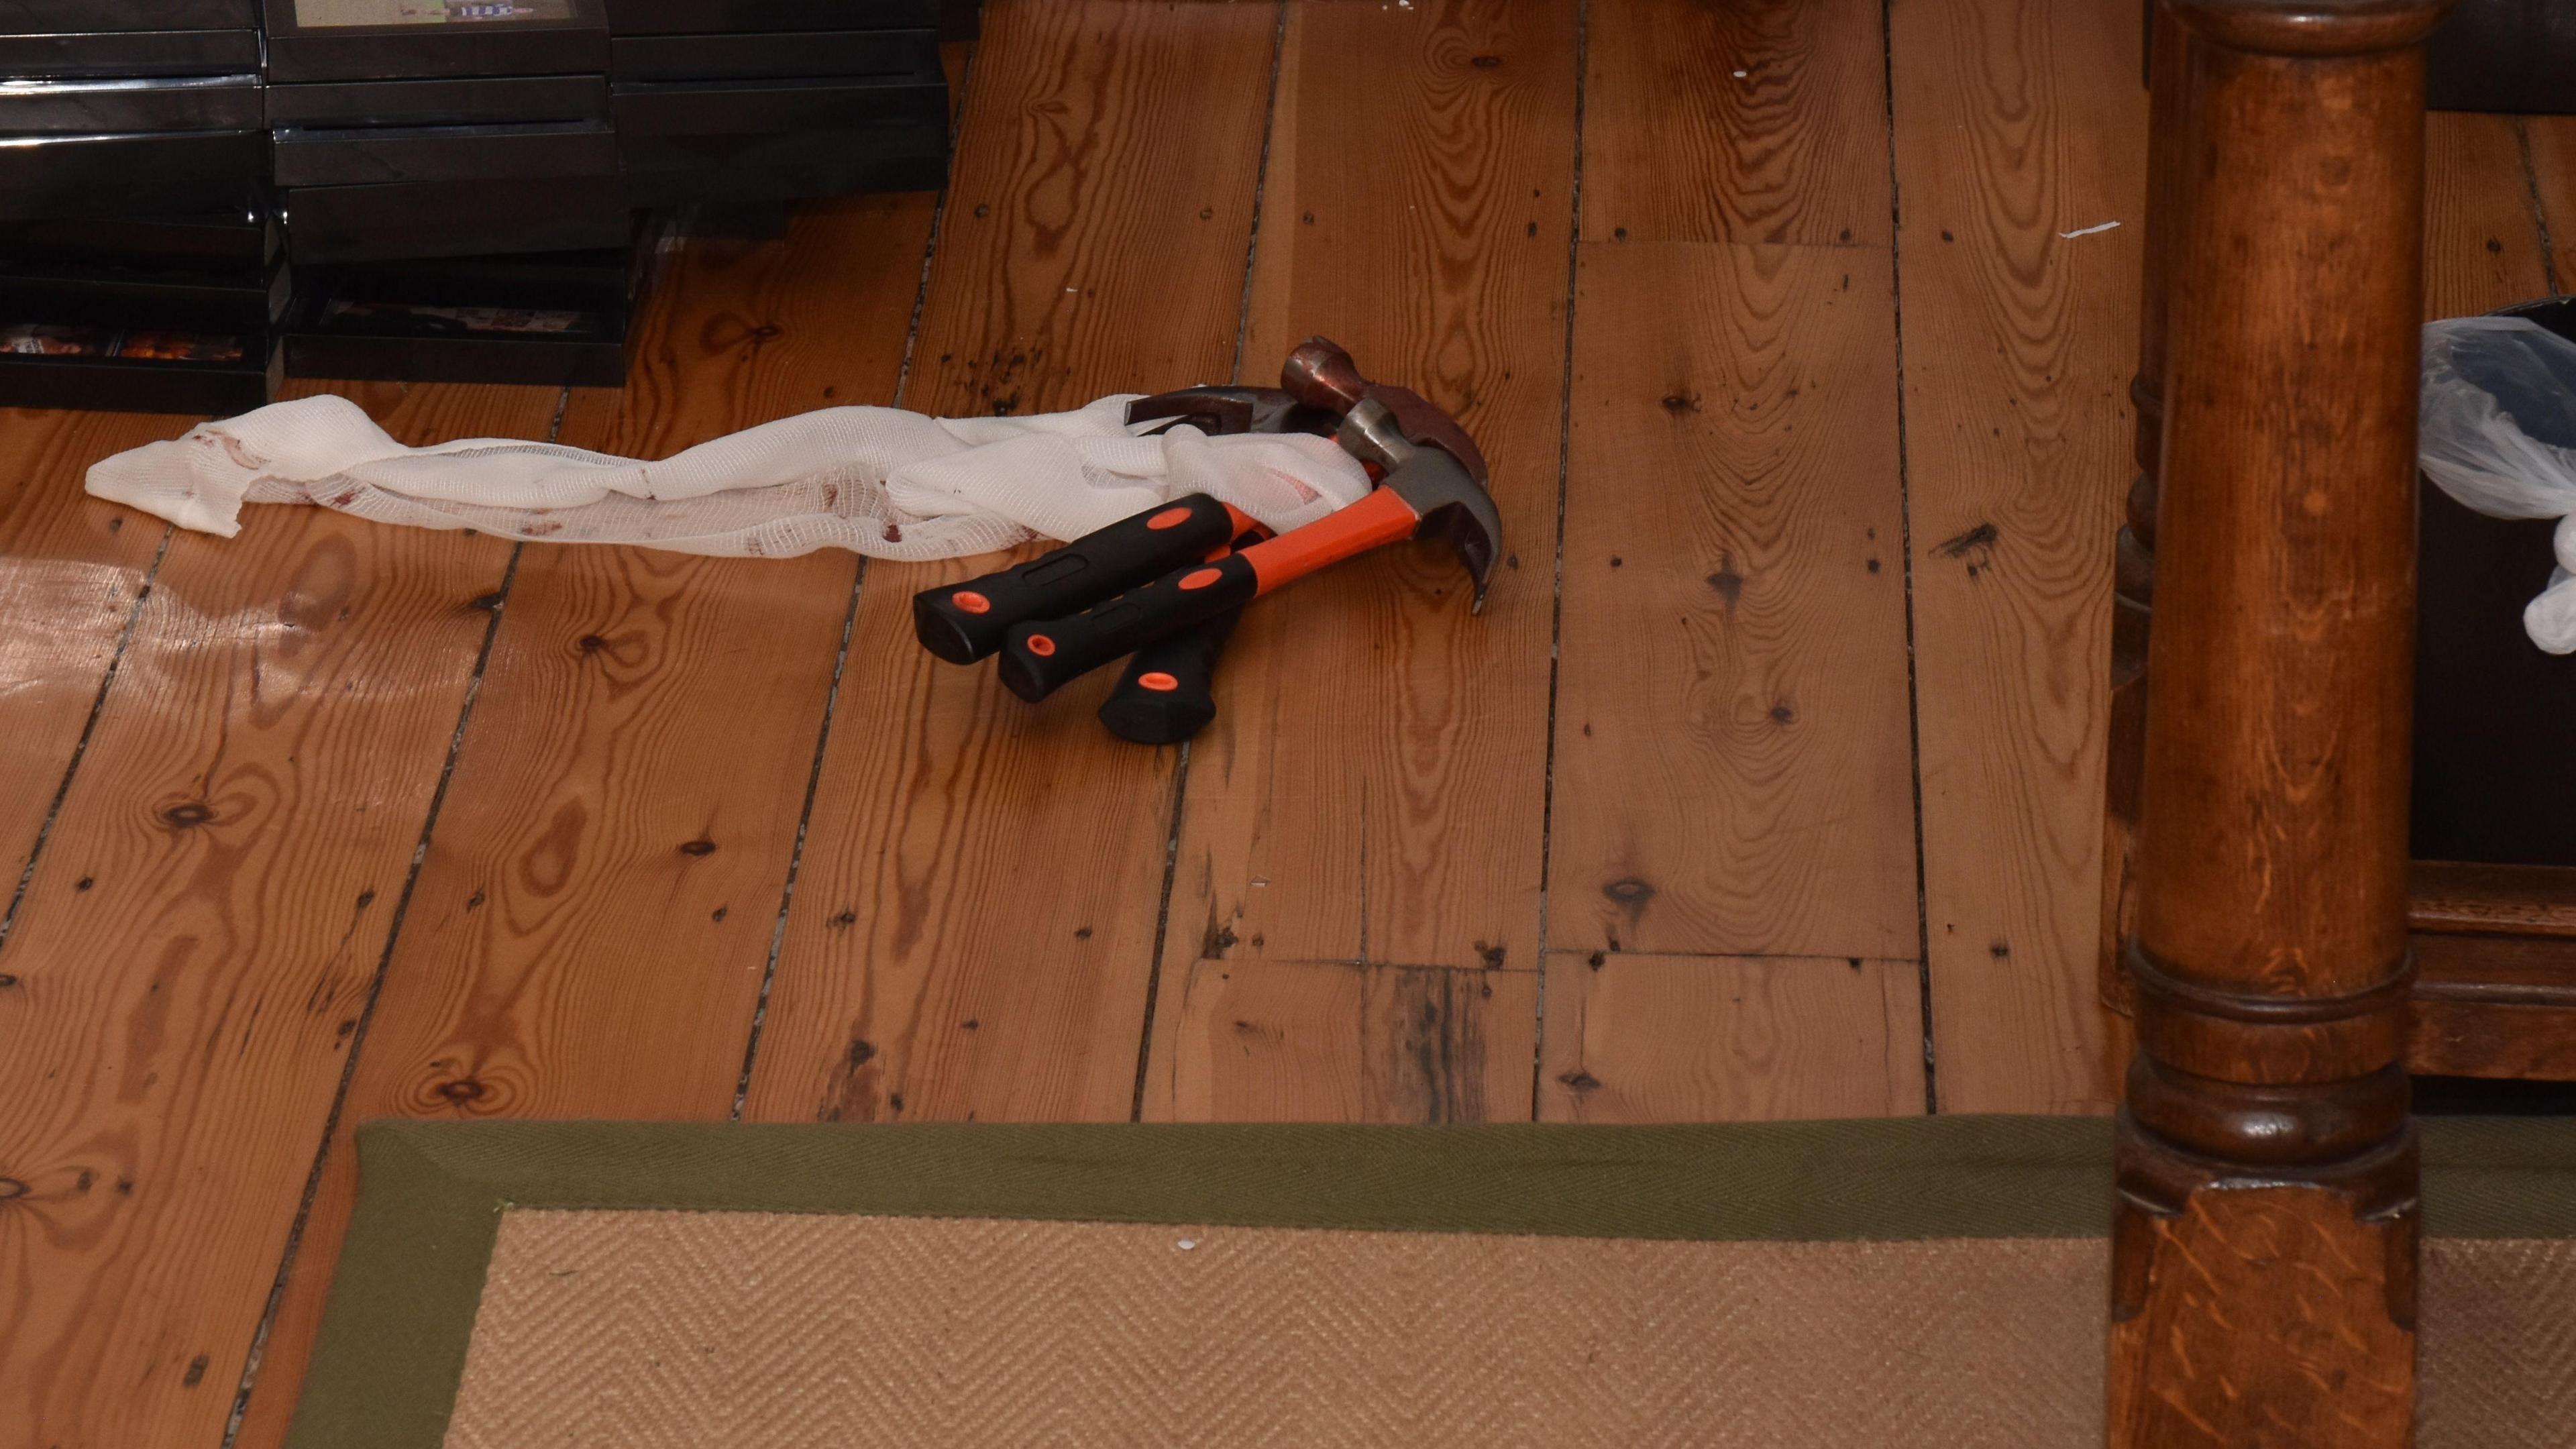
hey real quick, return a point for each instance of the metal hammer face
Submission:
(1217, 410)
(1451, 503)
(1321, 374)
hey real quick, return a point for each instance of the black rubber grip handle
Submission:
(1169, 690)
(962, 623)
(1044, 657)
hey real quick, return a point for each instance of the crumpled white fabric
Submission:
(879, 481)
(2499, 436)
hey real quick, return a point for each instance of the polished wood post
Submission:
(2133, 573)
(2263, 1281)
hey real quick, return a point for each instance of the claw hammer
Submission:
(1431, 485)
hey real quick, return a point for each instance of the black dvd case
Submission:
(176, 173)
(889, 141)
(129, 53)
(242, 240)
(547, 320)
(343, 40)
(29, 17)
(92, 107)
(706, 108)
(456, 218)
(747, 185)
(74, 365)
(773, 55)
(181, 299)
(720, 17)
(493, 101)
(372, 155)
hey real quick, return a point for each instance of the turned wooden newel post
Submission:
(2264, 1260)
(2133, 572)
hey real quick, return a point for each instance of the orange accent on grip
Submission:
(1201, 579)
(1250, 534)
(1169, 518)
(1243, 522)
(1041, 646)
(971, 601)
(1381, 518)
(1159, 682)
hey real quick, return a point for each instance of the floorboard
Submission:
(1734, 751)
(1640, 1038)
(2552, 156)
(1734, 745)
(1373, 793)
(1756, 121)
(2015, 122)
(2482, 244)
(974, 925)
(1332, 1041)
(202, 931)
(593, 922)
(78, 565)
(1376, 766)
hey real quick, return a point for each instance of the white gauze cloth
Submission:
(878, 481)
(2499, 435)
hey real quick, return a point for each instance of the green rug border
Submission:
(410, 1277)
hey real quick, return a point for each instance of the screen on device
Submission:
(375, 14)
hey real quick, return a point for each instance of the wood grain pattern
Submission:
(1734, 739)
(2553, 177)
(70, 568)
(974, 926)
(1734, 752)
(2264, 1247)
(2481, 241)
(2332, 1368)
(2482, 250)
(2523, 900)
(1331, 1041)
(2491, 1039)
(738, 333)
(2016, 121)
(202, 933)
(1370, 792)
(593, 921)
(1637, 1038)
(2495, 962)
(1757, 122)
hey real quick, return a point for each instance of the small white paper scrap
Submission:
(2086, 231)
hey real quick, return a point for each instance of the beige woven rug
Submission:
(1936, 1282)
(661, 1330)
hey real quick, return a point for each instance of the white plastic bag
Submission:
(878, 481)
(2499, 436)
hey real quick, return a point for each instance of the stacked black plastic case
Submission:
(200, 196)
(137, 266)
(731, 102)
(449, 180)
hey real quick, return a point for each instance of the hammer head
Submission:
(1452, 502)
(1322, 375)
(1215, 410)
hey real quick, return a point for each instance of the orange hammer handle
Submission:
(1381, 518)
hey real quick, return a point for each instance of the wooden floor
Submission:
(1766, 787)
